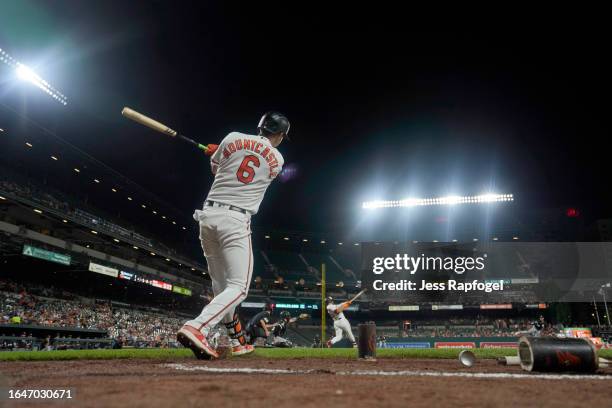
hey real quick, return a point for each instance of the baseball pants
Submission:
(225, 236)
(342, 326)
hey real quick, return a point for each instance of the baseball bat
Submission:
(357, 295)
(160, 127)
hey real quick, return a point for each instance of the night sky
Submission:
(375, 114)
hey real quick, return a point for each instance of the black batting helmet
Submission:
(274, 122)
(269, 305)
(329, 299)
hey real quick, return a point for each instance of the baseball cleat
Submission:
(196, 341)
(242, 350)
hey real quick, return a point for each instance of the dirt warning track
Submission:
(260, 382)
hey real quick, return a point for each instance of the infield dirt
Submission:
(165, 383)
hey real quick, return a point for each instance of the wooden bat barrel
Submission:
(367, 340)
(552, 354)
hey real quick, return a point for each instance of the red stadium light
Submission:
(572, 212)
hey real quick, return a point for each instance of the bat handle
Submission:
(193, 142)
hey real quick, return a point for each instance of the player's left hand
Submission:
(211, 149)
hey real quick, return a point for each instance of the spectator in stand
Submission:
(258, 283)
(280, 284)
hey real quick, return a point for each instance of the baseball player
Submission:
(341, 323)
(244, 166)
(536, 329)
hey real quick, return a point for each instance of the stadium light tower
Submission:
(27, 74)
(449, 200)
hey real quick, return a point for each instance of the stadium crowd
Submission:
(127, 327)
(478, 326)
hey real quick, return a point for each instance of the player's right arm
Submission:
(265, 326)
(342, 307)
(215, 159)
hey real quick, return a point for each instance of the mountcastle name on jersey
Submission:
(244, 166)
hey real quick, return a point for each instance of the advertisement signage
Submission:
(536, 306)
(446, 307)
(300, 306)
(416, 345)
(39, 253)
(524, 281)
(126, 275)
(182, 291)
(455, 344)
(104, 270)
(161, 284)
(255, 305)
(498, 344)
(501, 306)
(403, 308)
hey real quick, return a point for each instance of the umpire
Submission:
(260, 325)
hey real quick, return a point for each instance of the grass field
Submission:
(271, 353)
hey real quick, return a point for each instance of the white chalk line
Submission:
(243, 370)
(406, 373)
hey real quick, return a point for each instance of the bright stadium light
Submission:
(449, 200)
(26, 73)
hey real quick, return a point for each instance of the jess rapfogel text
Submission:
(450, 285)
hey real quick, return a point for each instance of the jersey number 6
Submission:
(246, 173)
